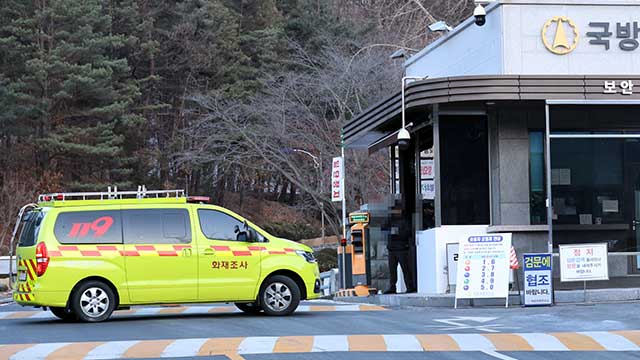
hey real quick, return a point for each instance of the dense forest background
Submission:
(241, 100)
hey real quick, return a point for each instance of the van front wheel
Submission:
(279, 295)
(249, 308)
(93, 301)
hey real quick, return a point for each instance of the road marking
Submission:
(497, 355)
(110, 350)
(147, 349)
(257, 345)
(294, 344)
(465, 323)
(191, 310)
(438, 342)
(579, 342)
(611, 341)
(473, 342)
(490, 344)
(183, 348)
(402, 343)
(38, 351)
(75, 351)
(366, 343)
(543, 342)
(330, 343)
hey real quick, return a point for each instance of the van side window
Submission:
(30, 228)
(89, 227)
(156, 226)
(216, 225)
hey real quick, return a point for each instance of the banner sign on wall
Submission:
(483, 267)
(337, 178)
(584, 262)
(537, 279)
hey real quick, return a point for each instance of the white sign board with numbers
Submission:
(584, 262)
(483, 267)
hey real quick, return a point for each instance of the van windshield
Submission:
(31, 227)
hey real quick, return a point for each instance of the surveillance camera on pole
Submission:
(404, 139)
(440, 26)
(480, 14)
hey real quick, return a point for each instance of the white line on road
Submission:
(543, 342)
(39, 351)
(497, 355)
(473, 342)
(183, 348)
(612, 342)
(110, 350)
(330, 343)
(257, 345)
(402, 343)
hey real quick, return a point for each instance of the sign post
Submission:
(483, 267)
(537, 279)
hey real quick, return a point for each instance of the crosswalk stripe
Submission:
(402, 343)
(172, 310)
(473, 342)
(330, 343)
(6, 351)
(38, 351)
(437, 342)
(293, 344)
(74, 351)
(367, 343)
(508, 342)
(543, 342)
(183, 348)
(633, 336)
(110, 350)
(322, 308)
(222, 346)
(147, 349)
(612, 342)
(578, 342)
(257, 345)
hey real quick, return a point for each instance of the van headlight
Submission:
(306, 255)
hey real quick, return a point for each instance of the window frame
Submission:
(188, 226)
(115, 212)
(261, 237)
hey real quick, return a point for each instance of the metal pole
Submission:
(344, 216)
(321, 199)
(548, 168)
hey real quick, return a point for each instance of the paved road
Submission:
(327, 330)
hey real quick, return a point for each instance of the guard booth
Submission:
(356, 249)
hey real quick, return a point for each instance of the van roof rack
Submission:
(114, 194)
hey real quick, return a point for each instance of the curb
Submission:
(447, 300)
(6, 300)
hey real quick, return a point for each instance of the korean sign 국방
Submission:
(584, 262)
(483, 266)
(537, 279)
(337, 179)
(626, 32)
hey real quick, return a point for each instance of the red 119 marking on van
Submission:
(99, 226)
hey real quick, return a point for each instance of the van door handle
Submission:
(209, 252)
(186, 252)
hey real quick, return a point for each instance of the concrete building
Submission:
(479, 120)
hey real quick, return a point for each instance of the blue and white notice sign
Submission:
(537, 279)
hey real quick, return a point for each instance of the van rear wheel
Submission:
(279, 296)
(249, 308)
(93, 301)
(63, 313)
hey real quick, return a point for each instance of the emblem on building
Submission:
(560, 35)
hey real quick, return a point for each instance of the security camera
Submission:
(399, 54)
(480, 14)
(404, 139)
(440, 26)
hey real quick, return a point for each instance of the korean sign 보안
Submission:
(584, 262)
(483, 266)
(611, 87)
(337, 179)
(537, 279)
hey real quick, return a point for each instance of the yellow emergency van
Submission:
(84, 255)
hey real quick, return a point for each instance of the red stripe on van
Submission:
(181, 247)
(27, 297)
(167, 253)
(145, 247)
(31, 269)
(54, 253)
(129, 253)
(67, 248)
(242, 253)
(256, 248)
(220, 248)
(106, 248)
(90, 253)
(277, 252)
(289, 250)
